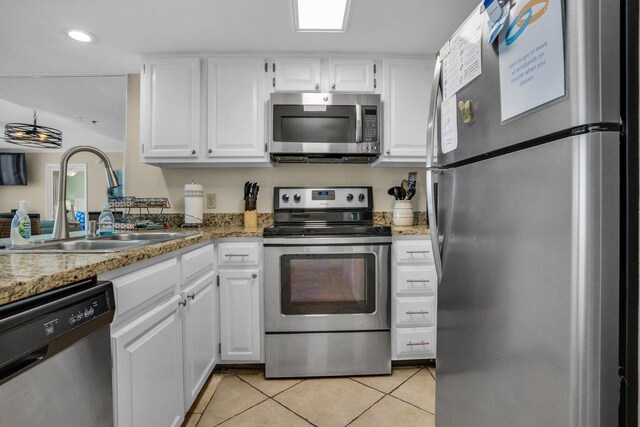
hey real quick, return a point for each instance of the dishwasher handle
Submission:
(22, 364)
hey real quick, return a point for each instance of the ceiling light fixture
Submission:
(320, 15)
(32, 135)
(79, 35)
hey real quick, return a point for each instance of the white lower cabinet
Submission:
(414, 290)
(148, 368)
(165, 344)
(200, 343)
(240, 315)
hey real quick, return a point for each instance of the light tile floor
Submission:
(246, 398)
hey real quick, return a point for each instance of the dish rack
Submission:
(140, 203)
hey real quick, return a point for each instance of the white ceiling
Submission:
(34, 42)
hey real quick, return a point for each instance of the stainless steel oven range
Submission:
(327, 284)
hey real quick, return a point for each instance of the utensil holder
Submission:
(251, 219)
(402, 213)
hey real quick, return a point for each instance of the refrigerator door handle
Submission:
(432, 168)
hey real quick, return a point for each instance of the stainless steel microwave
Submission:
(325, 127)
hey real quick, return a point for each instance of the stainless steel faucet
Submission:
(60, 226)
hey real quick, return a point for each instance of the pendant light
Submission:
(32, 135)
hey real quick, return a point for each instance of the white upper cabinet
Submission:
(236, 110)
(351, 75)
(405, 95)
(297, 74)
(170, 108)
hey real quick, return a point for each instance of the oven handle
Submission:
(358, 123)
(325, 241)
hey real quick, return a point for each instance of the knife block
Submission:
(251, 219)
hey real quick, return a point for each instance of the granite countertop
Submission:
(23, 275)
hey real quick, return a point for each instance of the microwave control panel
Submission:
(370, 125)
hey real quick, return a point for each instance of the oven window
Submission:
(315, 129)
(328, 284)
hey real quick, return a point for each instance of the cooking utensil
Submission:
(247, 187)
(410, 193)
(405, 184)
(397, 191)
(391, 192)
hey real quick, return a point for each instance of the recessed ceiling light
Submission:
(79, 35)
(321, 15)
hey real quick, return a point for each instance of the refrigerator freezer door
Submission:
(528, 301)
(592, 86)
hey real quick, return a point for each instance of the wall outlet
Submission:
(211, 201)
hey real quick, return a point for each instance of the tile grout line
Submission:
(408, 378)
(361, 414)
(293, 412)
(271, 397)
(367, 385)
(242, 412)
(409, 403)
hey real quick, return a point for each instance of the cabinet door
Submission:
(297, 74)
(236, 116)
(351, 75)
(240, 315)
(405, 94)
(148, 369)
(199, 333)
(170, 108)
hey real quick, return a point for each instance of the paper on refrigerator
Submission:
(464, 60)
(449, 124)
(531, 57)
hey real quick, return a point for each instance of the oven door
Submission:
(327, 284)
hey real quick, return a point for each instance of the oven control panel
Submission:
(322, 198)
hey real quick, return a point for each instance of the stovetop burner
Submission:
(324, 211)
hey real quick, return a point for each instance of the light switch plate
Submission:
(211, 201)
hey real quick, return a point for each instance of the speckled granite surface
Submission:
(23, 275)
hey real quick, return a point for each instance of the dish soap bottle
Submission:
(21, 226)
(106, 221)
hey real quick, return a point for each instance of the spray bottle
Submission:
(21, 226)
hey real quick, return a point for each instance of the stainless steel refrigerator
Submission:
(525, 216)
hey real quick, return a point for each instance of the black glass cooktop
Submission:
(327, 230)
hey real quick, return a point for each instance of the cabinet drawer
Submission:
(416, 343)
(412, 312)
(197, 262)
(238, 253)
(134, 289)
(414, 251)
(416, 280)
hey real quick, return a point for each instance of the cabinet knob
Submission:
(192, 295)
(182, 302)
(333, 85)
(387, 151)
(210, 151)
(193, 152)
(254, 275)
(317, 86)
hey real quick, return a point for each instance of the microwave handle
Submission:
(358, 123)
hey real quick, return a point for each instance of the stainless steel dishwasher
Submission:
(55, 358)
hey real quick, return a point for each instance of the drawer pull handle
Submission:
(411, 344)
(191, 296)
(232, 255)
(418, 252)
(418, 281)
(416, 312)
(182, 302)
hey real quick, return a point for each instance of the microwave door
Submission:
(315, 124)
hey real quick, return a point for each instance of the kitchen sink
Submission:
(155, 236)
(103, 244)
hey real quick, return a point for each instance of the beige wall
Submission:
(227, 183)
(35, 190)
